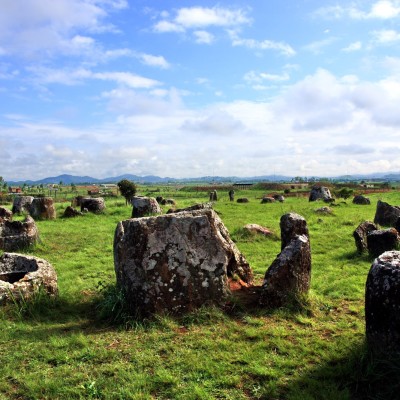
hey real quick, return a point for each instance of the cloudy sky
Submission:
(193, 88)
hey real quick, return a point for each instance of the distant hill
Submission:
(68, 179)
(152, 179)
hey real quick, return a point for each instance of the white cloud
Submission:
(351, 149)
(355, 46)
(155, 132)
(45, 76)
(318, 46)
(203, 37)
(254, 77)
(392, 64)
(382, 9)
(146, 59)
(154, 61)
(218, 123)
(385, 36)
(281, 47)
(125, 101)
(27, 29)
(199, 18)
(167, 26)
(126, 78)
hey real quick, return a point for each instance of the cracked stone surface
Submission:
(362, 200)
(386, 214)
(381, 240)
(5, 215)
(144, 206)
(382, 303)
(21, 276)
(292, 225)
(94, 205)
(21, 204)
(320, 192)
(17, 235)
(42, 208)
(177, 262)
(258, 229)
(70, 212)
(361, 233)
(289, 275)
(200, 206)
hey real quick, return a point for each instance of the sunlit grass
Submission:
(70, 347)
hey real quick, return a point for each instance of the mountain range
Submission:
(72, 179)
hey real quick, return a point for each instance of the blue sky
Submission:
(188, 88)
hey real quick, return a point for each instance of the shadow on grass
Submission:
(356, 256)
(357, 375)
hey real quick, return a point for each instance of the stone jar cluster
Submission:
(177, 262)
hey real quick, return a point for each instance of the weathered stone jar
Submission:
(144, 206)
(177, 262)
(21, 276)
(17, 235)
(382, 303)
(42, 208)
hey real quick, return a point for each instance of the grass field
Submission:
(69, 348)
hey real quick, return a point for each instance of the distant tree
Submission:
(127, 189)
(3, 184)
(73, 187)
(345, 193)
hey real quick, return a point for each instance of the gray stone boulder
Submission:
(279, 197)
(76, 201)
(213, 195)
(320, 192)
(382, 304)
(18, 235)
(255, 228)
(361, 233)
(21, 276)
(42, 208)
(267, 200)
(242, 200)
(362, 200)
(93, 204)
(289, 276)
(397, 225)
(386, 214)
(176, 263)
(200, 206)
(324, 210)
(71, 212)
(144, 206)
(167, 201)
(5, 214)
(382, 240)
(292, 225)
(21, 204)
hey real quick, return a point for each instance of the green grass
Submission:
(84, 344)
